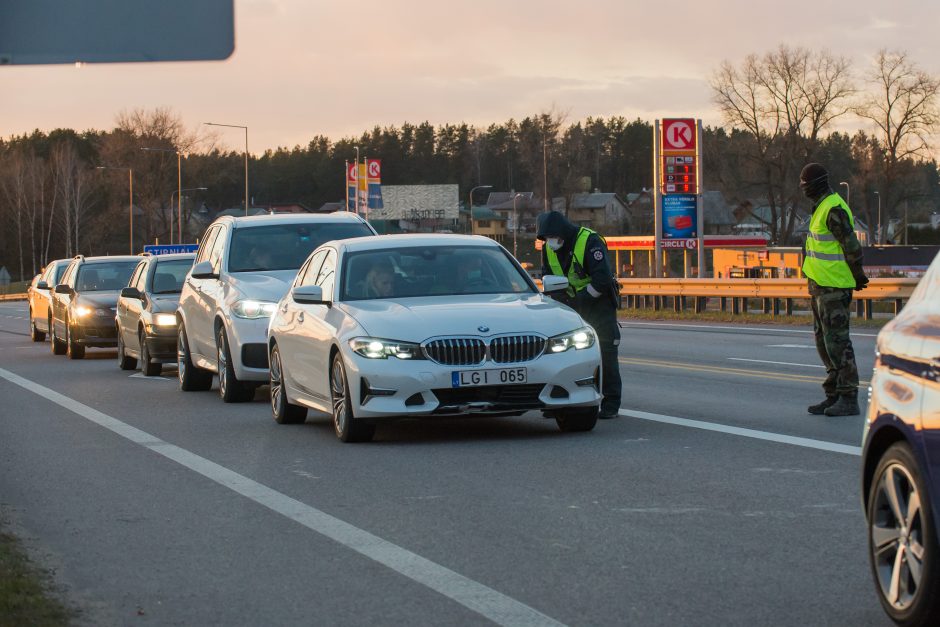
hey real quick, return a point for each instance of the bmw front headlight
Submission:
(254, 309)
(164, 320)
(377, 348)
(577, 339)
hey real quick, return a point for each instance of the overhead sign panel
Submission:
(170, 249)
(115, 31)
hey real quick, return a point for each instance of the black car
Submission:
(84, 303)
(146, 313)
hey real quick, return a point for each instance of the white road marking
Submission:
(740, 328)
(495, 606)
(790, 346)
(821, 445)
(779, 363)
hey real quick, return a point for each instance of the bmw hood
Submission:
(420, 319)
(269, 286)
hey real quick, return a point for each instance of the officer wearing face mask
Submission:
(581, 255)
(832, 264)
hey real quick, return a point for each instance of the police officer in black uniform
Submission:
(581, 255)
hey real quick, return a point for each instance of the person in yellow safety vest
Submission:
(581, 255)
(832, 263)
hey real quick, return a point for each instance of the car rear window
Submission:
(168, 276)
(104, 276)
(285, 246)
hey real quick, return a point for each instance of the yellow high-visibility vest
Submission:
(825, 260)
(576, 281)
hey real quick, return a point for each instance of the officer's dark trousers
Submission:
(603, 317)
(831, 308)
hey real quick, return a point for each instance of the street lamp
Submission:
(471, 202)
(879, 216)
(130, 200)
(179, 239)
(179, 182)
(246, 156)
(515, 226)
(848, 194)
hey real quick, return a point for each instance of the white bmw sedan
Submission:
(427, 325)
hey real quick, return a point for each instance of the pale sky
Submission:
(303, 67)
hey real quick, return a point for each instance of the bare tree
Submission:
(903, 106)
(783, 101)
(72, 184)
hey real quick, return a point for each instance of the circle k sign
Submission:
(678, 134)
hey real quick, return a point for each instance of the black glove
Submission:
(860, 282)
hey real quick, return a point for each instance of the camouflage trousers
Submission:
(831, 308)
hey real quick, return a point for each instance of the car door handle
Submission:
(300, 317)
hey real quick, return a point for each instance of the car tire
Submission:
(230, 388)
(35, 334)
(576, 419)
(147, 366)
(894, 541)
(191, 377)
(347, 427)
(57, 345)
(284, 412)
(124, 362)
(73, 350)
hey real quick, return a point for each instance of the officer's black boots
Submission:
(820, 408)
(847, 405)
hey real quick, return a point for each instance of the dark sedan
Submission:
(84, 303)
(146, 313)
(901, 459)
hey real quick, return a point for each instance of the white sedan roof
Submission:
(383, 242)
(295, 218)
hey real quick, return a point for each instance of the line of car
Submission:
(335, 318)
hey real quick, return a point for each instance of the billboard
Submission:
(418, 202)
(679, 216)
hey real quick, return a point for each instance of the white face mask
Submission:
(555, 243)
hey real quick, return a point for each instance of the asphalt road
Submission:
(714, 500)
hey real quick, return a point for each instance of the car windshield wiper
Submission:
(252, 270)
(179, 291)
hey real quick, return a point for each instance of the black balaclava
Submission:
(814, 181)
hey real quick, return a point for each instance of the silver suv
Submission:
(243, 267)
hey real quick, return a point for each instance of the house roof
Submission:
(503, 200)
(595, 200)
(483, 212)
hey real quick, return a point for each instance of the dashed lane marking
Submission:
(821, 445)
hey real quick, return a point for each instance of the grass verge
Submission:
(25, 590)
(748, 318)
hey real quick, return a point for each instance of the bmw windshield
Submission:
(431, 271)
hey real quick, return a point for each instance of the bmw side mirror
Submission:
(554, 283)
(130, 292)
(203, 270)
(42, 285)
(62, 288)
(308, 295)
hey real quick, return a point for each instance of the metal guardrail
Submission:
(653, 293)
(13, 296)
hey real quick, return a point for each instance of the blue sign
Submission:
(170, 249)
(680, 215)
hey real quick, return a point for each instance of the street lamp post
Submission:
(515, 226)
(179, 182)
(848, 194)
(130, 200)
(179, 239)
(879, 217)
(471, 202)
(246, 156)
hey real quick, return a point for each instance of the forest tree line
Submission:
(64, 192)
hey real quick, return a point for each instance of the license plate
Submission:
(498, 376)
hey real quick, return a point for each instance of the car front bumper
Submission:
(94, 334)
(247, 342)
(386, 388)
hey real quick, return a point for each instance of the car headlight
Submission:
(164, 320)
(81, 311)
(377, 348)
(577, 339)
(254, 309)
